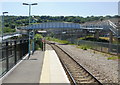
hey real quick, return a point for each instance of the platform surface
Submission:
(28, 71)
(52, 71)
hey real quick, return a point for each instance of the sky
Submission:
(61, 8)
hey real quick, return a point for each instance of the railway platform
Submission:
(52, 71)
(28, 71)
(41, 67)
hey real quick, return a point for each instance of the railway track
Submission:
(76, 73)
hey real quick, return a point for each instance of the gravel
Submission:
(105, 70)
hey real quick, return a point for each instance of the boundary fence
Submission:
(100, 46)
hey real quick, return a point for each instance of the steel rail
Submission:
(78, 65)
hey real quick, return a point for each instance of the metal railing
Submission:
(13, 33)
(100, 46)
(113, 28)
(12, 52)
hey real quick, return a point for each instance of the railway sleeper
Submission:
(78, 70)
(81, 74)
(90, 83)
(85, 81)
(82, 78)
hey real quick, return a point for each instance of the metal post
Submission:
(29, 30)
(15, 53)
(33, 40)
(29, 24)
(29, 43)
(33, 43)
(7, 57)
(117, 44)
(3, 24)
(20, 49)
(110, 42)
(29, 13)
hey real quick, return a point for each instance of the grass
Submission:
(82, 38)
(113, 58)
(105, 38)
(71, 44)
(84, 47)
(57, 40)
(91, 38)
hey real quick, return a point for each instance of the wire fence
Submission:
(12, 52)
(99, 46)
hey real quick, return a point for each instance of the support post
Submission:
(110, 37)
(33, 46)
(29, 45)
(20, 49)
(85, 33)
(110, 41)
(7, 57)
(15, 52)
(96, 35)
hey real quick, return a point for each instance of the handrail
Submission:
(17, 40)
(112, 24)
(114, 27)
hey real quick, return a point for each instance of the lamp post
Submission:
(29, 22)
(33, 43)
(3, 24)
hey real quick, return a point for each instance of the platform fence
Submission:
(12, 52)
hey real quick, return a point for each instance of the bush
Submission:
(37, 47)
(38, 36)
(38, 41)
(8, 30)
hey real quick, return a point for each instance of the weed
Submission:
(84, 47)
(113, 58)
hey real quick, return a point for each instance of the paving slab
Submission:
(28, 71)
